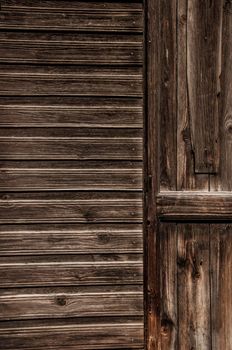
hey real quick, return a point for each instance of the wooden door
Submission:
(71, 151)
(189, 174)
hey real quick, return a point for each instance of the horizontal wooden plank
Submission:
(66, 48)
(55, 179)
(70, 112)
(194, 205)
(70, 5)
(76, 239)
(33, 80)
(37, 272)
(32, 304)
(86, 337)
(70, 207)
(79, 16)
(66, 143)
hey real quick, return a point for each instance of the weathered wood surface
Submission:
(167, 91)
(193, 283)
(71, 152)
(27, 304)
(187, 179)
(190, 206)
(221, 280)
(102, 334)
(72, 112)
(83, 207)
(69, 48)
(203, 73)
(168, 286)
(65, 143)
(76, 238)
(69, 80)
(78, 16)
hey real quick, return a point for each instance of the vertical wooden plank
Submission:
(186, 178)
(151, 174)
(203, 71)
(193, 287)
(221, 285)
(224, 180)
(168, 285)
(167, 112)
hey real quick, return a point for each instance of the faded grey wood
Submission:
(194, 331)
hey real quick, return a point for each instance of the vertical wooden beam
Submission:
(193, 287)
(224, 180)
(151, 174)
(221, 285)
(186, 177)
(168, 285)
(167, 112)
(203, 72)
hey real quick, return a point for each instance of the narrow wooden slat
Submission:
(86, 337)
(223, 182)
(43, 48)
(78, 239)
(195, 205)
(204, 23)
(66, 143)
(70, 175)
(75, 16)
(70, 5)
(70, 112)
(41, 272)
(167, 107)
(26, 305)
(74, 207)
(168, 285)
(187, 179)
(74, 112)
(193, 287)
(221, 284)
(32, 80)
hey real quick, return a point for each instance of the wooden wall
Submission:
(71, 150)
(189, 172)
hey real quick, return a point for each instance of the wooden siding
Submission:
(71, 164)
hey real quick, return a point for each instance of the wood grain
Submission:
(194, 206)
(187, 179)
(221, 283)
(70, 207)
(79, 17)
(73, 239)
(87, 336)
(167, 109)
(70, 112)
(168, 286)
(203, 71)
(27, 304)
(21, 272)
(193, 287)
(70, 48)
(69, 80)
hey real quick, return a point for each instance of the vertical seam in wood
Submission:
(210, 293)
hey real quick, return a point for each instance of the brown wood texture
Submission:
(188, 175)
(190, 206)
(71, 175)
